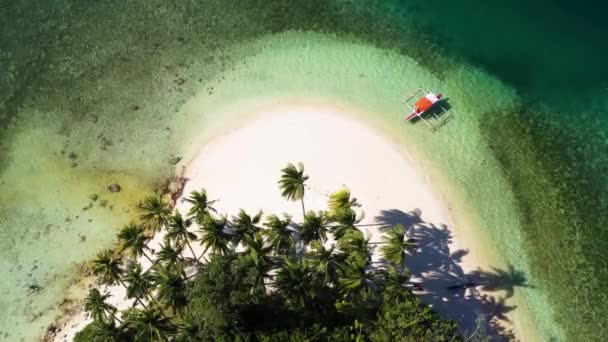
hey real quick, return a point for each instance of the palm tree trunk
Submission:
(113, 316)
(141, 303)
(160, 309)
(303, 211)
(191, 250)
(147, 257)
(152, 299)
(200, 256)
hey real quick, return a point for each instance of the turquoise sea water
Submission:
(103, 86)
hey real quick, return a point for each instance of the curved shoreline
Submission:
(464, 220)
(260, 123)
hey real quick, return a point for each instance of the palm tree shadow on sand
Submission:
(442, 283)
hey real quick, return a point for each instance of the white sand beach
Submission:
(241, 168)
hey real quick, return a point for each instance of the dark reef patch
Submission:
(563, 201)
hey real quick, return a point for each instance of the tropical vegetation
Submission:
(259, 277)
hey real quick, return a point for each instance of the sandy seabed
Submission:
(241, 168)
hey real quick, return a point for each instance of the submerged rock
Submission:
(52, 329)
(175, 160)
(34, 288)
(94, 197)
(51, 333)
(114, 188)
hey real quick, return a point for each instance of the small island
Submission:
(252, 248)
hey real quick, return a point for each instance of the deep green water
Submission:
(107, 81)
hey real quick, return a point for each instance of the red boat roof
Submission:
(423, 104)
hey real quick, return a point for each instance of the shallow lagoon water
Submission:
(109, 84)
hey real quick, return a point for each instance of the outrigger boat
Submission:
(428, 103)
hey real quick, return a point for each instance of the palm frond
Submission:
(292, 182)
(156, 212)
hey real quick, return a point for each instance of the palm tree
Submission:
(294, 282)
(341, 200)
(354, 243)
(257, 252)
(356, 279)
(279, 235)
(95, 304)
(394, 279)
(148, 325)
(177, 230)
(292, 183)
(169, 254)
(314, 227)
(342, 213)
(133, 240)
(107, 267)
(396, 245)
(323, 261)
(243, 224)
(186, 329)
(156, 212)
(170, 287)
(139, 283)
(214, 236)
(103, 332)
(201, 207)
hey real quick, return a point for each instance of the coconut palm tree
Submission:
(341, 200)
(169, 254)
(186, 329)
(314, 227)
(95, 304)
(292, 183)
(177, 231)
(244, 224)
(354, 243)
(394, 279)
(148, 325)
(294, 282)
(396, 245)
(214, 236)
(103, 332)
(278, 233)
(201, 206)
(107, 267)
(323, 261)
(133, 240)
(156, 212)
(355, 277)
(170, 287)
(257, 252)
(139, 283)
(341, 212)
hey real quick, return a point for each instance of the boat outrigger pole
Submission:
(428, 103)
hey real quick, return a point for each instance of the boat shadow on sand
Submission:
(439, 280)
